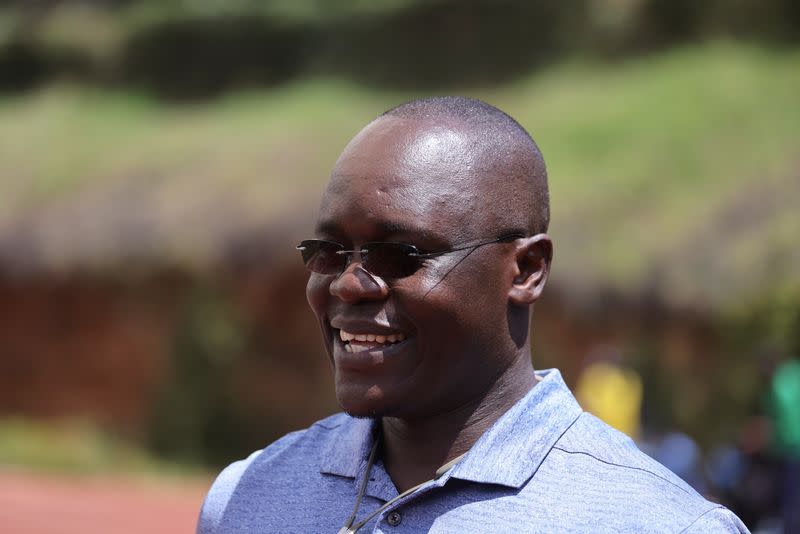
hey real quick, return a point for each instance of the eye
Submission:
(321, 256)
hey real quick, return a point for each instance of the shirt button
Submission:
(394, 518)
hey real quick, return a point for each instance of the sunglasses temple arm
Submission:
(471, 245)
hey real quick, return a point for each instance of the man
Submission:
(430, 252)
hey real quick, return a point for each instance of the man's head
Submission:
(439, 174)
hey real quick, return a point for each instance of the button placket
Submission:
(394, 518)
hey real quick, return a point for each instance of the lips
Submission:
(366, 337)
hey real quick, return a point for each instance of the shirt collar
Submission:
(348, 448)
(508, 453)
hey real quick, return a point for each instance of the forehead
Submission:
(406, 176)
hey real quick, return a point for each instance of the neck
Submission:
(413, 449)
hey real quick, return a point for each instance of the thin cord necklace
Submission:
(349, 528)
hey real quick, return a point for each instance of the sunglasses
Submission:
(386, 260)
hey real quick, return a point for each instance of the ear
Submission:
(533, 257)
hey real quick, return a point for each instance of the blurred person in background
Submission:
(611, 391)
(783, 410)
(430, 252)
(759, 475)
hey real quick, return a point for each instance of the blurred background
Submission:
(160, 158)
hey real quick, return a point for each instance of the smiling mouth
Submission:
(365, 342)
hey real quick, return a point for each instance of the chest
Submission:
(325, 503)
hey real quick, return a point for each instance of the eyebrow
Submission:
(388, 228)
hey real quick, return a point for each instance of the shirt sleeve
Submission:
(220, 493)
(718, 519)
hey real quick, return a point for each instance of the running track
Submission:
(50, 504)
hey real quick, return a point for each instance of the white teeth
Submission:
(348, 336)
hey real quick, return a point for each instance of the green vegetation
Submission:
(646, 160)
(77, 447)
(677, 172)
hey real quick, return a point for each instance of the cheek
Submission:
(460, 305)
(443, 312)
(458, 286)
(317, 293)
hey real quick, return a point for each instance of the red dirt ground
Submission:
(60, 504)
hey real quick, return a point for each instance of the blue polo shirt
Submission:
(544, 466)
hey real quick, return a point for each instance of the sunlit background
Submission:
(159, 159)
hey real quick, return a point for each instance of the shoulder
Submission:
(591, 439)
(718, 519)
(627, 488)
(287, 450)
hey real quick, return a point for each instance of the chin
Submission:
(361, 409)
(361, 404)
(363, 416)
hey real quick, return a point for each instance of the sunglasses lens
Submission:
(390, 260)
(321, 256)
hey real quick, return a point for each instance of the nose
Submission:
(356, 284)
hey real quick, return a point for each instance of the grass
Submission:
(644, 156)
(77, 447)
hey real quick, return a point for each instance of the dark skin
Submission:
(465, 355)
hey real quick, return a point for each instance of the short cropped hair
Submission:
(495, 128)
